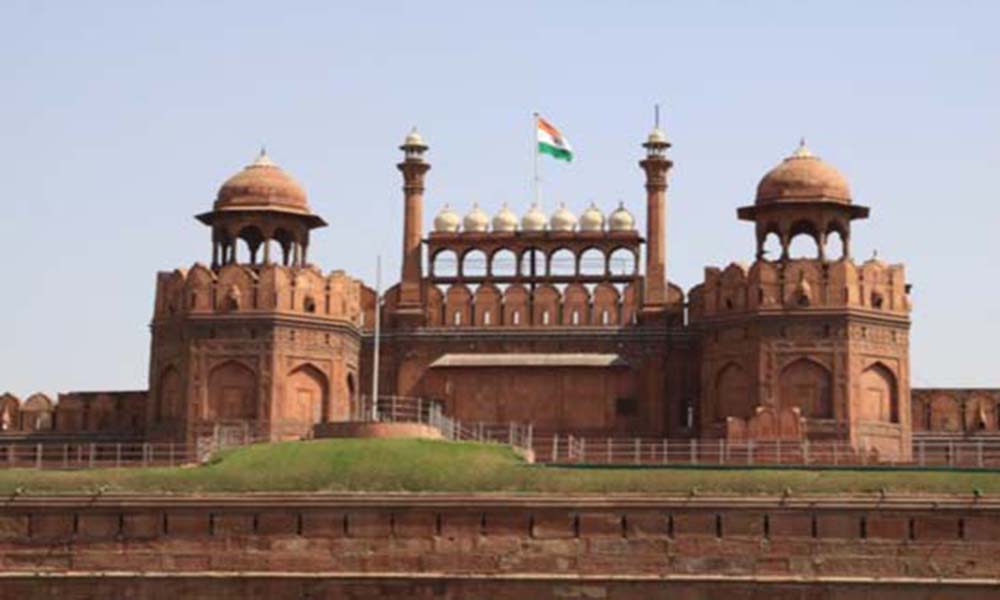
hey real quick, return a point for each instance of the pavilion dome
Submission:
(562, 219)
(505, 219)
(262, 185)
(476, 220)
(592, 219)
(534, 219)
(447, 220)
(621, 219)
(803, 177)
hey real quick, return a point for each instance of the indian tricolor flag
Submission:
(551, 142)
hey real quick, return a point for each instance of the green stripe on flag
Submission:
(555, 152)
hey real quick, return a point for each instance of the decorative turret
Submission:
(803, 195)
(259, 205)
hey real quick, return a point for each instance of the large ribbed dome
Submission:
(262, 184)
(803, 176)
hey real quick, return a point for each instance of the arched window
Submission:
(605, 317)
(592, 262)
(803, 245)
(772, 246)
(836, 245)
(562, 263)
(516, 320)
(576, 317)
(474, 264)
(486, 317)
(504, 263)
(457, 318)
(545, 317)
(445, 264)
(622, 262)
(532, 263)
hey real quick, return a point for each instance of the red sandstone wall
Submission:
(459, 536)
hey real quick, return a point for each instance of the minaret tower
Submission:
(413, 167)
(656, 165)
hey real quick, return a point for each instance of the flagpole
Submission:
(378, 333)
(534, 150)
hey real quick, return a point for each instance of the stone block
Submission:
(277, 523)
(227, 524)
(695, 523)
(13, 527)
(98, 526)
(323, 523)
(369, 524)
(881, 526)
(928, 527)
(555, 525)
(514, 523)
(49, 527)
(415, 524)
(743, 524)
(599, 524)
(142, 525)
(790, 524)
(188, 524)
(646, 524)
(840, 526)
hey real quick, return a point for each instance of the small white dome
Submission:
(533, 220)
(562, 220)
(414, 139)
(447, 220)
(505, 219)
(592, 219)
(476, 220)
(621, 219)
(657, 137)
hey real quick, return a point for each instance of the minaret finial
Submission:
(656, 115)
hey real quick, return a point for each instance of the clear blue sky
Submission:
(120, 120)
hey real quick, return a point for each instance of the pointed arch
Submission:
(879, 396)
(808, 385)
(307, 394)
(232, 392)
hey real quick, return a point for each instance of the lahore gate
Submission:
(566, 321)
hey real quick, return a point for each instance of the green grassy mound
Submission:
(433, 466)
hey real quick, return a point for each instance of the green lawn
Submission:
(421, 465)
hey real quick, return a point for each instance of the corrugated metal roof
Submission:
(530, 360)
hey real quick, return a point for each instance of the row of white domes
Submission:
(592, 219)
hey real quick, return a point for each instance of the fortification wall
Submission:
(462, 546)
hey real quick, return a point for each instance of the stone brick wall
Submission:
(733, 542)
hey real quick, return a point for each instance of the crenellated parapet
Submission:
(237, 289)
(808, 285)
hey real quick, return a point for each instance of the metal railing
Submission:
(407, 409)
(569, 449)
(95, 455)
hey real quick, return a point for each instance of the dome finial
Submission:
(263, 160)
(802, 151)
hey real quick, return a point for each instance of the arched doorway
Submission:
(807, 385)
(732, 393)
(879, 401)
(306, 396)
(232, 393)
